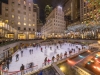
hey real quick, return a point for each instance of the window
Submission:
(18, 23)
(12, 16)
(12, 22)
(29, 29)
(24, 2)
(24, 23)
(24, 18)
(18, 1)
(18, 11)
(18, 5)
(29, 4)
(6, 14)
(29, 8)
(12, 10)
(12, 3)
(29, 24)
(6, 9)
(18, 17)
(33, 25)
(24, 7)
(24, 28)
(18, 28)
(24, 13)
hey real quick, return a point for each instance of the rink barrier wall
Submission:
(25, 71)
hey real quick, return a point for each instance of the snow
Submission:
(38, 57)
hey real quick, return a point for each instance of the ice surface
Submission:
(38, 57)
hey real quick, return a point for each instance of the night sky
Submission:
(42, 4)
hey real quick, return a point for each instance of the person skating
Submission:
(7, 62)
(65, 55)
(53, 58)
(48, 61)
(22, 69)
(57, 57)
(50, 48)
(41, 49)
(30, 51)
(45, 60)
(57, 47)
(17, 57)
(21, 53)
(61, 55)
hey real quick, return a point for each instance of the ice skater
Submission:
(61, 56)
(45, 60)
(53, 58)
(30, 51)
(41, 49)
(48, 61)
(65, 54)
(57, 57)
(50, 48)
(21, 53)
(17, 57)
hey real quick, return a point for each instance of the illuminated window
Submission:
(18, 23)
(24, 23)
(24, 18)
(12, 16)
(33, 25)
(29, 24)
(24, 2)
(18, 17)
(6, 21)
(6, 9)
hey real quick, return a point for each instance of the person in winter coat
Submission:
(45, 60)
(53, 58)
(22, 69)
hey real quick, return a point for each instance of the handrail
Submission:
(25, 71)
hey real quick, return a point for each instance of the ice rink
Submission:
(38, 57)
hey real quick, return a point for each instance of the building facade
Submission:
(55, 24)
(90, 11)
(18, 19)
(71, 11)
